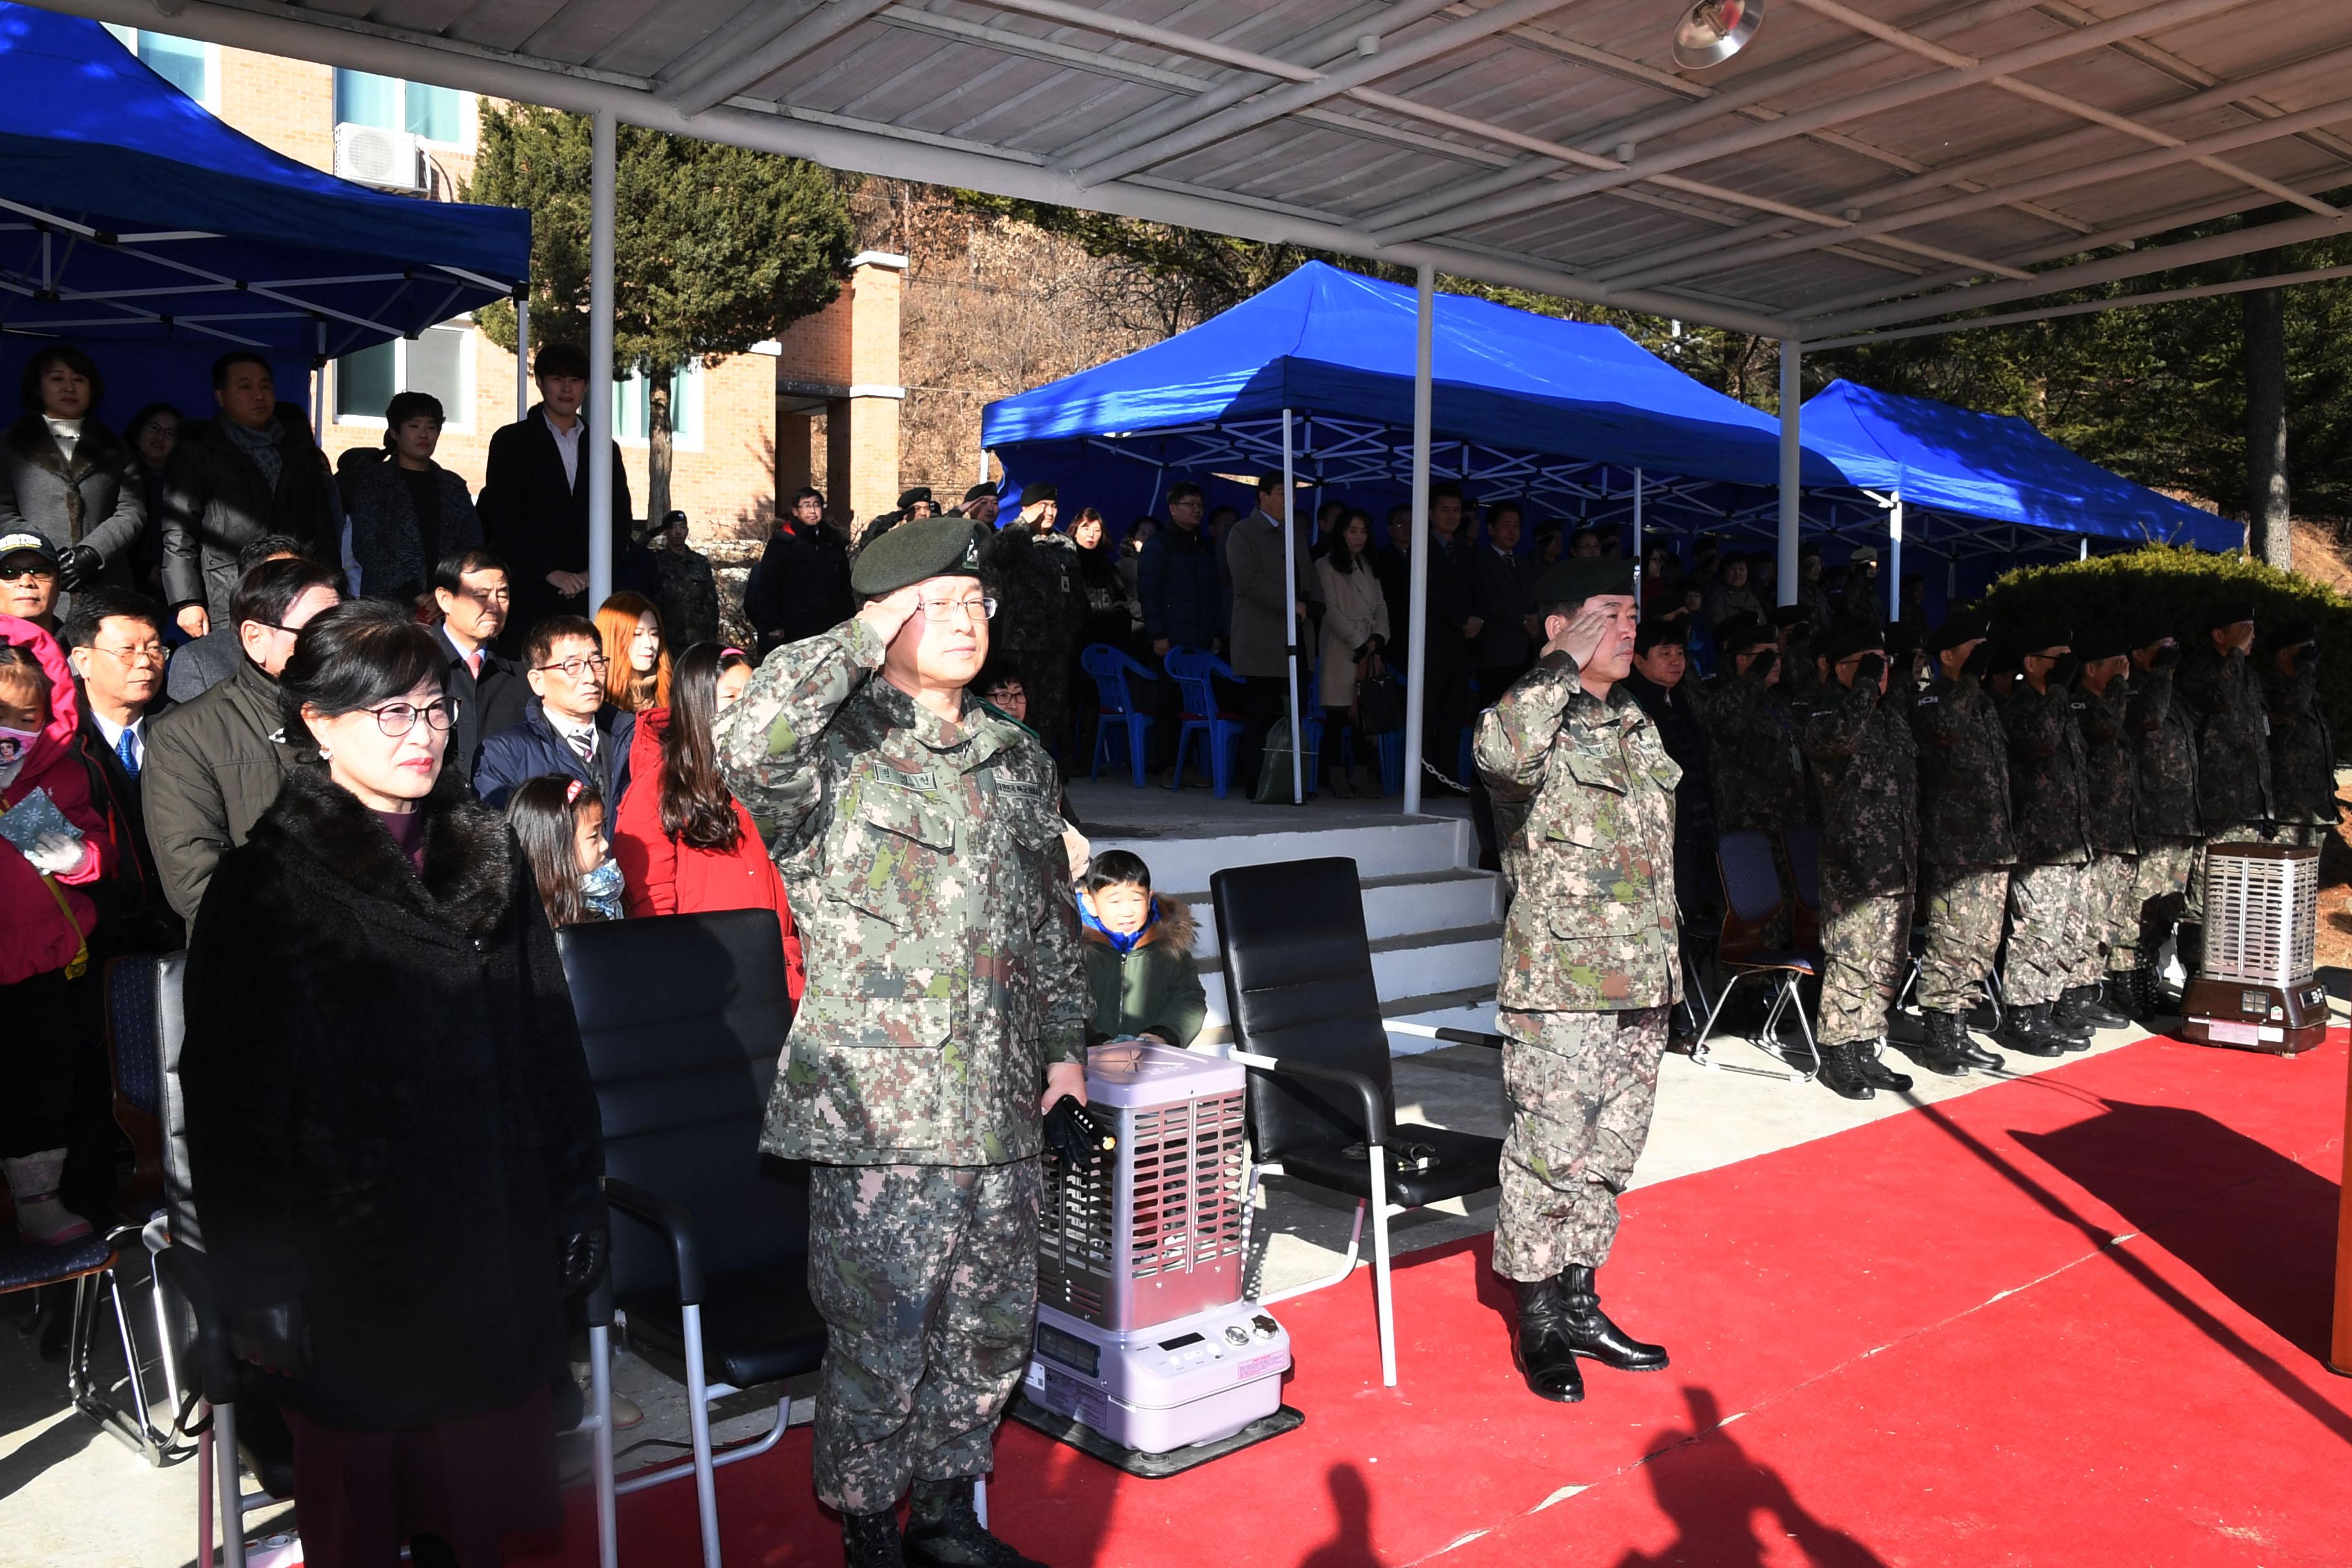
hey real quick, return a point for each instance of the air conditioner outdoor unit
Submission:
(389, 160)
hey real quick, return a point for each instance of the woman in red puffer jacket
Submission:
(684, 843)
(45, 924)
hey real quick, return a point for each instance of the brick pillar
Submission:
(869, 421)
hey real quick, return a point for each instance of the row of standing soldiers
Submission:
(2067, 784)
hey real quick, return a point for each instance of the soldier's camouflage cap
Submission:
(1580, 577)
(916, 552)
(1964, 627)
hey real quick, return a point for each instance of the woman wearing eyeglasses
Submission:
(394, 1142)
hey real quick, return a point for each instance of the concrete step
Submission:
(1405, 847)
(1393, 906)
(1414, 966)
(1470, 1009)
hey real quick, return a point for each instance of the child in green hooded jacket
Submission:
(1138, 951)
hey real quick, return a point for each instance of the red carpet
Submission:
(1920, 1341)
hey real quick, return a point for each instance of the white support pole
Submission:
(1290, 617)
(598, 411)
(1792, 464)
(1637, 542)
(522, 357)
(1416, 643)
(2084, 551)
(1893, 557)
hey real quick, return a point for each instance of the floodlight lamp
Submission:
(1712, 31)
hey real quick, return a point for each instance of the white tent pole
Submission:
(1290, 618)
(1416, 642)
(522, 357)
(1792, 464)
(2084, 551)
(1893, 557)
(1637, 542)
(598, 412)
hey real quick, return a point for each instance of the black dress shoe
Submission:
(871, 1541)
(1590, 1331)
(943, 1530)
(1540, 1346)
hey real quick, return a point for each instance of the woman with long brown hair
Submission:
(636, 665)
(684, 842)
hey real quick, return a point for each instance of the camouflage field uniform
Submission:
(2111, 773)
(689, 598)
(2234, 801)
(1590, 961)
(2049, 814)
(1966, 849)
(925, 866)
(2303, 755)
(1041, 603)
(1866, 769)
(2164, 740)
(1758, 771)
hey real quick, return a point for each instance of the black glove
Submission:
(2063, 671)
(77, 568)
(275, 1338)
(1978, 661)
(1761, 668)
(582, 1260)
(2167, 656)
(1868, 668)
(1073, 1131)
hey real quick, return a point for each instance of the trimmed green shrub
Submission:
(2160, 585)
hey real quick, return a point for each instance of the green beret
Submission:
(914, 553)
(919, 494)
(1580, 577)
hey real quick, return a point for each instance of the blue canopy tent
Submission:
(1982, 487)
(1562, 413)
(132, 220)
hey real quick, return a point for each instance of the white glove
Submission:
(56, 854)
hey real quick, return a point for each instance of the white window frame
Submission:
(129, 38)
(469, 112)
(698, 376)
(457, 421)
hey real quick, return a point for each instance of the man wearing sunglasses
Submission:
(568, 731)
(28, 579)
(214, 765)
(946, 1010)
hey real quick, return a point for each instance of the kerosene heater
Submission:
(2256, 989)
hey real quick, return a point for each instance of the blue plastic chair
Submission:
(1110, 669)
(1219, 730)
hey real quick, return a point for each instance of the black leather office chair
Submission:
(684, 1017)
(1322, 1101)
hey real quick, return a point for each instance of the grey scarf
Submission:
(261, 446)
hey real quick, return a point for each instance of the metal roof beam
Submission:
(747, 64)
(2089, 274)
(1356, 71)
(1837, 111)
(2093, 306)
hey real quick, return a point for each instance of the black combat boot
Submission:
(1541, 1346)
(2188, 946)
(944, 1532)
(2122, 994)
(1869, 1057)
(871, 1541)
(1590, 1331)
(2027, 1030)
(1965, 1047)
(1840, 1074)
(1942, 1051)
(2081, 1004)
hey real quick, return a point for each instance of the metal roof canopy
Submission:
(1858, 167)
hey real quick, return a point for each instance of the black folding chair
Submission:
(682, 1017)
(1751, 892)
(1322, 1101)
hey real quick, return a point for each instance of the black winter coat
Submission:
(531, 749)
(2224, 696)
(538, 521)
(388, 537)
(800, 587)
(1963, 776)
(1176, 577)
(1866, 770)
(2048, 777)
(389, 1114)
(489, 704)
(216, 502)
(2112, 769)
(2166, 740)
(2303, 747)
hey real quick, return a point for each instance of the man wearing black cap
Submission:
(1794, 629)
(980, 504)
(1755, 763)
(946, 1006)
(2164, 743)
(2050, 812)
(916, 504)
(2102, 698)
(1036, 572)
(1966, 848)
(2223, 694)
(1812, 595)
(1591, 966)
(2302, 746)
(1863, 598)
(1859, 743)
(1661, 683)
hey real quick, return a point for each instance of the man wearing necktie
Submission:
(114, 640)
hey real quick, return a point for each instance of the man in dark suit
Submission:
(470, 589)
(570, 731)
(1454, 627)
(115, 640)
(1502, 592)
(534, 501)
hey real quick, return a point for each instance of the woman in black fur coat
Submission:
(393, 1140)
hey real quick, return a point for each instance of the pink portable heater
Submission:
(1143, 1337)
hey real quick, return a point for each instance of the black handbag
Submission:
(1380, 704)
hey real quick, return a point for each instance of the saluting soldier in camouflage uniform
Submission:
(1035, 573)
(1866, 763)
(2164, 739)
(917, 833)
(1752, 752)
(2219, 686)
(2302, 745)
(1965, 847)
(2110, 919)
(1589, 964)
(2049, 814)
